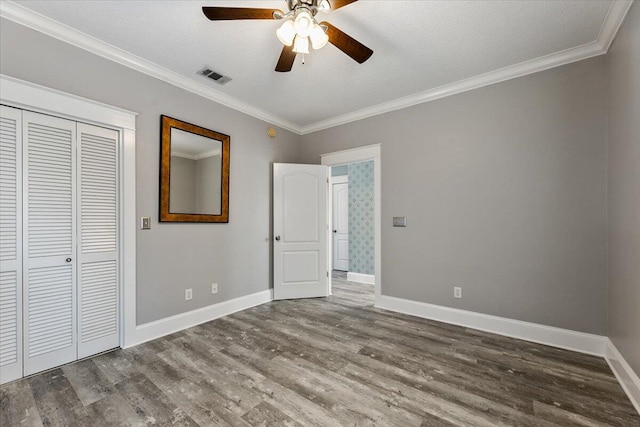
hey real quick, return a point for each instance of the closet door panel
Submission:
(10, 244)
(49, 242)
(98, 240)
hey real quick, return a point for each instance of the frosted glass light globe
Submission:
(286, 33)
(304, 24)
(318, 37)
(301, 45)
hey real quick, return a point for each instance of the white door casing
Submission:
(49, 236)
(340, 222)
(300, 196)
(10, 244)
(30, 96)
(362, 154)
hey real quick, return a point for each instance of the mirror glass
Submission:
(196, 174)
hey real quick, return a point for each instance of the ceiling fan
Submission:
(299, 28)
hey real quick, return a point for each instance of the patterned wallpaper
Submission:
(361, 216)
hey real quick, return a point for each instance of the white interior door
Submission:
(49, 241)
(340, 223)
(10, 244)
(300, 194)
(98, 296)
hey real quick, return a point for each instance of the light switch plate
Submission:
(145, 223)
(399, 221)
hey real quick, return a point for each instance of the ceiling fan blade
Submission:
(352, 47)
(285, 63)
(230, 13)
(337, 4)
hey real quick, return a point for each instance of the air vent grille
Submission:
(215, 76)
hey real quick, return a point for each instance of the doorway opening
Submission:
(354, 215)
(339, 193)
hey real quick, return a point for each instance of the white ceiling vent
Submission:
(215, 76)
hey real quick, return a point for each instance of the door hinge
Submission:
(327, 274)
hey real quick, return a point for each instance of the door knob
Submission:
(335, 231)
(278, 238)
(68, 259)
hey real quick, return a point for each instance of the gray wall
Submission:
(623, 188)
(171, 257)
(504, 190)
(182, 185)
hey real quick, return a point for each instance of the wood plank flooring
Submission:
(324, 362)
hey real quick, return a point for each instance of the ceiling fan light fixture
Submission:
(304, 23)
(299, 31)
(318, 37)
(286, 33)
(301, 45)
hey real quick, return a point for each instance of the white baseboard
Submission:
(541, 334)
(159, 328)
(369, 279)
(627, 378)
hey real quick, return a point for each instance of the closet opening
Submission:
(67, 243)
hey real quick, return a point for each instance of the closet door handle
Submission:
(68, 259)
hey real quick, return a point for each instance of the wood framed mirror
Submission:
(194, 173)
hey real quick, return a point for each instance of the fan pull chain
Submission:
(303, 59)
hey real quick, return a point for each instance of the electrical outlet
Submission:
(457, 292)
(214, 288)
(188, 294)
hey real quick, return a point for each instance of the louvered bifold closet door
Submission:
(10, 244)
(49, 242)
(98, 240)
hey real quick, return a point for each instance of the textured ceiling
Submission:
(418, 45)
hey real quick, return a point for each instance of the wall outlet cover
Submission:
(188, 294)
(457, 292)
(145, 223)
(214, 288)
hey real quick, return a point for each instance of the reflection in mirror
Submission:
(195, 180)
(194, 173)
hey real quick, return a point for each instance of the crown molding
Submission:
(613, 20)
(36, 21)
(616, 14)
(539, 64)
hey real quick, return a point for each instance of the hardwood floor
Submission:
(324, 362)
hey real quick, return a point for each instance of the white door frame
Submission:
(356, 155)
(30, 96)
(340, 179)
